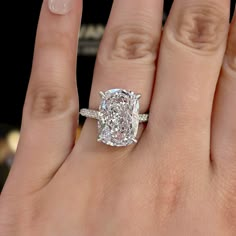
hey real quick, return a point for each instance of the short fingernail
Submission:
(60, 7)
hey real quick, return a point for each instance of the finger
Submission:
(223, 145)
(127, 55)
(51, 106)
(191, 54)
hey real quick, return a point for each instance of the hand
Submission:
(180, 178)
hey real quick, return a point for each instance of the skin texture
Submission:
(180, 179)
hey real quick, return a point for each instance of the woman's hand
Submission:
(180, 178)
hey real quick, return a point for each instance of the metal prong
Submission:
(99, 140)
(138, 96)
(134, 140)
(102, 94)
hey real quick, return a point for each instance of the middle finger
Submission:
(191, 55)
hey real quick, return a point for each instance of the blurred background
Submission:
(18, 34)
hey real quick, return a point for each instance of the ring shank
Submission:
(94, 114)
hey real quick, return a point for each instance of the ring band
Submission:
(94, 114)
(118, 117)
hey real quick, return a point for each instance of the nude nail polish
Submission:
(60, 7)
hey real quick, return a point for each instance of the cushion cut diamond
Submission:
(118, 117)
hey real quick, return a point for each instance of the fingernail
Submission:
(60, 7)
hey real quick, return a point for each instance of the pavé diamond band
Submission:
(94, 114)
(118, 117)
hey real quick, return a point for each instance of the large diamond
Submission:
(118, 117)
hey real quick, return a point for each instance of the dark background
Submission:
(16, 53)
(19, 23)
(18, 33)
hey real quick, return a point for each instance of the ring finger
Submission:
(127, 55)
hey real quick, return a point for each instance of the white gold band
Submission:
(89, 113)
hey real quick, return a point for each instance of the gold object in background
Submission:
(13, 139)
(5, 150)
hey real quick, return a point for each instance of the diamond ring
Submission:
(118, 117)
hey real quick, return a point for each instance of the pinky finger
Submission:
(223, 142)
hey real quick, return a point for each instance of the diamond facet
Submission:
(118, 117)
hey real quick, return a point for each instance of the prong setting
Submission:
(135, 140)
(99, 140)
(102, 94)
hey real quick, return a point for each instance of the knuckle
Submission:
(163, 193)
(132, 43)
(170, 186)
(48, 101)
(201, 28)
(170, 189)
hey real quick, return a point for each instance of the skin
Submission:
(180, 178)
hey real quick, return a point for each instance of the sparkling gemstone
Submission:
(118, 117)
